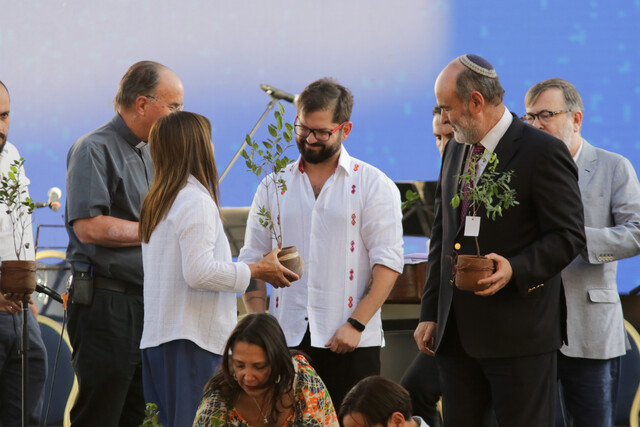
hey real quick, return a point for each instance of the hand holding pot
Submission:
(497, 280)
(270, 270)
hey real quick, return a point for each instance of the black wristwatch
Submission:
(357, 325)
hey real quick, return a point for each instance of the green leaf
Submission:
(280, 109)
(455, 202)
(273, 131)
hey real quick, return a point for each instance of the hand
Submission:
(424, 336)
(345, 340)
(497, 280)
(270, 270)
(11, 306)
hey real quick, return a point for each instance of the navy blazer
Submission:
(539, 237)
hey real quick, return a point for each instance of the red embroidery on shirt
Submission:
(350, 302)
(353, 244)
(277, 301)
(351, 274)
(355, 168)
(353, 189)
(353, 219)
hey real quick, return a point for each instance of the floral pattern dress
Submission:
(312, 406)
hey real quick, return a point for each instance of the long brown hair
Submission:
(180, 145)
(263, 330)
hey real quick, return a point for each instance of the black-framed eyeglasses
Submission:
(543, 116)
(173, 108)
(320, 135)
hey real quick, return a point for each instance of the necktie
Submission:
(476, 154)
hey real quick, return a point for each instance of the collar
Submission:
(491, 139)
(125, 133)
(575, 158)
(344, 162)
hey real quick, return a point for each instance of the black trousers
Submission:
(105, 337)
(421, 379)
(340, 372)
(521, 390)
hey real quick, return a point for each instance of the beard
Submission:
(465, 130)
(315, 156)
(3, 141)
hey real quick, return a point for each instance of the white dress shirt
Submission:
(190, 282)
(354, 224)
(7, 250)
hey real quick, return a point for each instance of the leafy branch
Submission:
(271, 161)
(19, 206)
(491, 191)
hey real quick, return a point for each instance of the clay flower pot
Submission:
(18, 277)
(290, 258)
(468, 269)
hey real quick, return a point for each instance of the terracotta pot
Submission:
(18, 277)
(468, 269)
(290, 258)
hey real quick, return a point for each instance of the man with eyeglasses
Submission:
(344, 217)
(109, 172)
(588, 365)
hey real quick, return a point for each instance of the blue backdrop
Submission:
(62, 60)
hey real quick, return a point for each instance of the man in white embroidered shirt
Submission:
(344, 217)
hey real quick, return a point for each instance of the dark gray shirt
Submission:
(107, 175)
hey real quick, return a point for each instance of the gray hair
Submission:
(141, 78)
(572, 99)
(468, 81)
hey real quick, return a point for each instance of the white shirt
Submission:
(491, 139)
(190, 283)
(7, 250)
(354, 224)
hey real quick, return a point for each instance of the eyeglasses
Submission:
(543, 116)
(319, 134)
(173, 108)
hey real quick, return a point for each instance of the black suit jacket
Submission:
(539, 237)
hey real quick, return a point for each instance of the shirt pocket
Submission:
(603, 296)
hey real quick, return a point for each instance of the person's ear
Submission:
(576, 120)
(396, 420)
(140, 104)
(346, 130)
(476, 102)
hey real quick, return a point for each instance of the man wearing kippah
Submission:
(588, 365)
(496, 347)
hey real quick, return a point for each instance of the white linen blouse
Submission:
(190, 281)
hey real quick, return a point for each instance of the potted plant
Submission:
(493, 192)
(268, 159)
(17, 276)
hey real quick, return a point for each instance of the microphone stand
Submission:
(270, 106)
(24, 351)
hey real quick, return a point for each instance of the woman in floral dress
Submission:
(262, 383)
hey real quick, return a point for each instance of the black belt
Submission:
(119, 286)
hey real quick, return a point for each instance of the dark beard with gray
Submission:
(317, 156)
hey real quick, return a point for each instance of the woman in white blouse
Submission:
(190, 281)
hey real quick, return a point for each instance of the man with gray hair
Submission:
(496, 347)
(588, 365)
(109, 172)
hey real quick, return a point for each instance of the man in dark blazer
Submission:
(496, 347)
